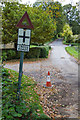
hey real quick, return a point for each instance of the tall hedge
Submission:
(36, 52)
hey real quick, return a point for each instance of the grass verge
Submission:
(74, 44)
(28, 106)
(31, 46)
(72, 52)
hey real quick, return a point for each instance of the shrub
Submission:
(49, 47)
(35, 52)
(44, 51)
(4, 56)
(38, 52)
(18, 55)
(79, 40)
(67, 33)
(69, 39)
(11, 54)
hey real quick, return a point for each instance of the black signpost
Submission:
(23, 43)
(20, 73)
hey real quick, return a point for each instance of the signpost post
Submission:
(23, 44)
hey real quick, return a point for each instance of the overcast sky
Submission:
(62, 1)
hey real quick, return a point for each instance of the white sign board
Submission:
(23, 40)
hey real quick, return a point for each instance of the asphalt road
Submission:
(64, 62)
(64, 74)
(69, 70)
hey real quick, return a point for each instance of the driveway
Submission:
(64, 75)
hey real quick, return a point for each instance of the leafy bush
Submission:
(44, 52)
(11, 54)
(4, 56)
(49, 47)
(35, 52)
(67, 33)
(11, 107)
(69, 39)
(38, 52)
(75, 38)
(9, 99)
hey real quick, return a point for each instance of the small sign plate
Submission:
(22, 48)
(23, 40)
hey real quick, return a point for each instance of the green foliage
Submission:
(38, 52)
(43, 117)
(35, 52)
(55, 12)
(77, 39)
(72, 16)
(4, 56)
(44, 52)
(35, 116)
(58, 15)
(75, 27)
(12, 12)
(67, 33)
(74, 40)
(26, 107)
(8, 94)
(43, 24)
(72, 51)
(11, 54)
(69, 39)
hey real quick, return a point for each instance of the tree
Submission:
(12, 12)
(43, 24)
(67, 33)
(73, 19)
(55, 11)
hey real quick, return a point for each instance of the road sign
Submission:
(23, 44)
(24, 36)
(29, 26)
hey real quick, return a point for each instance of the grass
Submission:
(28, 107)
(74, 44)
(27, 86)
(73, 52)
(31, 46)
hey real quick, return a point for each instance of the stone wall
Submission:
(6, 46)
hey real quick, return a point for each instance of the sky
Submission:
(62, 1)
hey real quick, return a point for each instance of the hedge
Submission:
(44, 51)
(35, 52)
